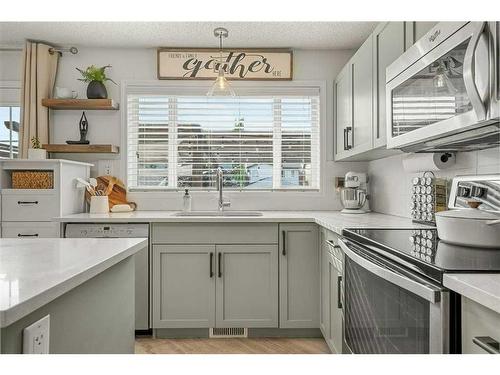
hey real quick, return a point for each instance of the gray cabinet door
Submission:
(183, 288)
(343, 112)
(362, 100)
(299, 276)
(388, 45)
(324, 309)
(247, 286)
(335, 279)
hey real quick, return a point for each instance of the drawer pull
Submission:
(487, 343)
(27, 202)
(27, 235)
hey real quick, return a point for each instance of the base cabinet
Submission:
(204, 286)
(331, 291)
(299, 276)
(480, 329)
(247, 286)
(183, 286)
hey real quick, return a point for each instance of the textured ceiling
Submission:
(299, 35)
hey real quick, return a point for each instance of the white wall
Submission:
(10, 77)
(390, 184)
(140, 64)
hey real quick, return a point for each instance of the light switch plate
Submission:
(36, 337)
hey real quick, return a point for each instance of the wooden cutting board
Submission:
(118, 194)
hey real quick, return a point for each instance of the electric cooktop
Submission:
(421, 250)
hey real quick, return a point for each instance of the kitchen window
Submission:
(266, 138)
(9, 131)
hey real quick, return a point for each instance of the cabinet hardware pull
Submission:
(347, 145)
(219, 255)
(283, 236)
(27, 202)
(27, 235)
(211, 264)
(339, 289)
(487, 343)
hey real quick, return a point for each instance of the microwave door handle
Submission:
(427, 292)
(469, 73)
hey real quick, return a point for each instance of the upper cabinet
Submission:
(359, 91)
(353, 104)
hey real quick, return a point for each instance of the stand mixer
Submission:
(354, 195)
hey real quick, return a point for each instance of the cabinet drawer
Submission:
(478, 321)
(215, 233)
(29, 207)
(30, 230)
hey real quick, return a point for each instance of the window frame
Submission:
(187, 88)
(11, 86)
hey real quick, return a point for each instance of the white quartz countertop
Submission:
(483, 288)
(333, 220)
(33, 272)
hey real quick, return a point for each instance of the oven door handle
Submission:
(469, 72)
(426, 291)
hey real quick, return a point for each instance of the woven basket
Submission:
(32, 180)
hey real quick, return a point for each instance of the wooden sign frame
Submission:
(270, 64)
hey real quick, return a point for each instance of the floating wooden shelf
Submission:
(83, 104)
(83, 149)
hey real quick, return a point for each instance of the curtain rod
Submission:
(52, 50)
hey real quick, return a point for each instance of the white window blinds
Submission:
(264, 141)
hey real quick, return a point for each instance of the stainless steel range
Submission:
(394, 299)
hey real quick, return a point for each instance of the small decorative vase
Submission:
(96, 90)
(37, 154)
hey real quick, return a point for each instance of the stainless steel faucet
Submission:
(220, 188)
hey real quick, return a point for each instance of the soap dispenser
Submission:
(186, 201)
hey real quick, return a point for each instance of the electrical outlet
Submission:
(105, 167)
(36, 337)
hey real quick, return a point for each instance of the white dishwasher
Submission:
(103, 230)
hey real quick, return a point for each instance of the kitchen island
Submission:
(85, 285)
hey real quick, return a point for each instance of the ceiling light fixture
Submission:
(221, 86)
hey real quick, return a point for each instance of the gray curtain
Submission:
(39, 75)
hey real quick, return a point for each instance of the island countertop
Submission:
(34, 272)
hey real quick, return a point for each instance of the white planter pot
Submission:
(37, 154)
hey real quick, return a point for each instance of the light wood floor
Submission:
(147, 345)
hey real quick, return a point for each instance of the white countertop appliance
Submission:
(474, 215)
(122, 230)
(445, 90)
(354, 195)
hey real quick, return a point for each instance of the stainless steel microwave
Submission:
(443, 93)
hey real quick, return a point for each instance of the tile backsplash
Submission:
(390, 184)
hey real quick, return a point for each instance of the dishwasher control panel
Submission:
(79, 230)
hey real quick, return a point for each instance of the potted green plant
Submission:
(95, 77)
(36, 152)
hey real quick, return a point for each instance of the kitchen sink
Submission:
(218, 213)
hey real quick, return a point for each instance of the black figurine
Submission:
(84, 128)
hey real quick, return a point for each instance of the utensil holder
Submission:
(99, 204)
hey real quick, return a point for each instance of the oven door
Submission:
(444, 91)
(389, 309)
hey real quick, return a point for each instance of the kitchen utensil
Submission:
(118, 194)
(468, 227)
(352, 199)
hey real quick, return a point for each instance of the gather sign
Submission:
(238, 64)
